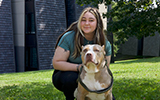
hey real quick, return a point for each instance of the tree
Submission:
(130, 17)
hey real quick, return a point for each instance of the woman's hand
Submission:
(108, 58)
(79, 67)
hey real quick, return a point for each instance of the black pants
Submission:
(65, 81)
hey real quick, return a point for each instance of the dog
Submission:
(95, 79)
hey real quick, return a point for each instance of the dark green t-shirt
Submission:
(67, 43)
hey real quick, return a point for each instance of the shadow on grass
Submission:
(136, 89)
(30, 91)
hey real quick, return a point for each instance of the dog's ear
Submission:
(103, 47)
(82, 47)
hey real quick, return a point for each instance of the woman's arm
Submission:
(108, 58)
(60, 60)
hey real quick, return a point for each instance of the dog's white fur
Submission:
(92, 84)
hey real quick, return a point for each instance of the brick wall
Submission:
(51, 22)
(151, 45)
(130, 47)
(7, 63)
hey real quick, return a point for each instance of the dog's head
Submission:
(93, 57)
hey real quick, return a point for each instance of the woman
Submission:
(67, 61)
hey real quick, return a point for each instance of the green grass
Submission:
(137, 79)
(33, 85)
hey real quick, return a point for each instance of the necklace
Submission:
(87, 41)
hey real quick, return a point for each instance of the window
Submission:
(30, 23)
(31, 57)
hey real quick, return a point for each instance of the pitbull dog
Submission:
(95, 79)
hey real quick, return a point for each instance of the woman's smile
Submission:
(88, 23)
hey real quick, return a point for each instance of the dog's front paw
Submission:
(75, 93)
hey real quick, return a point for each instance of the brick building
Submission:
(29, 30)
(147, 46)
(7, 61)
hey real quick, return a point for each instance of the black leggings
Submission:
(65, 81)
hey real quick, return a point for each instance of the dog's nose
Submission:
(89, 57)
(89, 54)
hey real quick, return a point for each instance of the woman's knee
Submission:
(70, 78)
(65, 80)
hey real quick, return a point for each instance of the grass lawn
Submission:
(137, 79)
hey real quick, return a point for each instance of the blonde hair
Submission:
(99, 37)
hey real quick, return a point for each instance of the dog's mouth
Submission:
(90, 61)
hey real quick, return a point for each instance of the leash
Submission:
(97, 91)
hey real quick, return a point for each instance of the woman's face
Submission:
(88, 23)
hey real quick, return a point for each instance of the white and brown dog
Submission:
(95, 79)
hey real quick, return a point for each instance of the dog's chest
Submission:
(90, 81)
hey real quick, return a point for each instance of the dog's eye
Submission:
(85, 50)
(96, 50)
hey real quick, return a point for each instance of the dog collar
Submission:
(97, 91)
